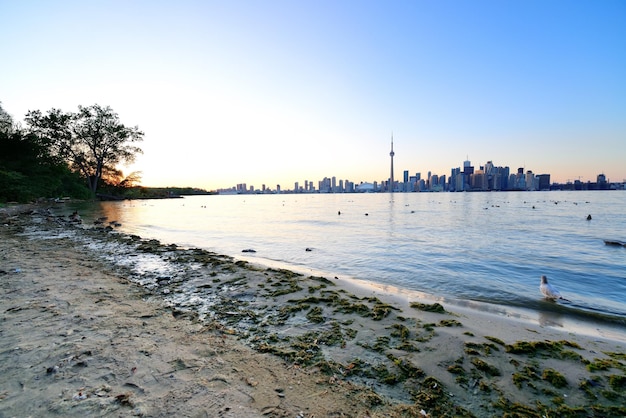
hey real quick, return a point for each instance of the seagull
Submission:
(548, 291)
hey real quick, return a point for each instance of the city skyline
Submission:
(492, 178)
(274, 91)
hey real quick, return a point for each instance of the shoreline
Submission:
(602, 328)
(80, 339)
(396, 357)
(512, 285)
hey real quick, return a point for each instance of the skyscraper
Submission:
(391, 180)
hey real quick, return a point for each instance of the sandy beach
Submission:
(97, 323)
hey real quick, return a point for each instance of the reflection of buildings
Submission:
(392, 183)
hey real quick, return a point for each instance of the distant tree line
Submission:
(66, 154)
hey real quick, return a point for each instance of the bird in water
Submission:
(549, 291)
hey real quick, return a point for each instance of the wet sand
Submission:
(95, 323)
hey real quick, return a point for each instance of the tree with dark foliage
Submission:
(92, 141)
(6, 121)
(29, 171)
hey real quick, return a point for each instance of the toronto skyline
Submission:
(487, 177)
(277, 92)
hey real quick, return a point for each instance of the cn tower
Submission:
(391, 154)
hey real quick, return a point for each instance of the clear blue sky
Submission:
(273, 92)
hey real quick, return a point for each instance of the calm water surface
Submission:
(487, 247)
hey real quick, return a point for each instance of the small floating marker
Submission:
(589, 217)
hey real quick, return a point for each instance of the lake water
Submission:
(490, 248)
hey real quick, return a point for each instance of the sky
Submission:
(273, 92)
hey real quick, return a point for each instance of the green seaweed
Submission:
(323, 280)
(488, 347)
(350, 333)
(495, 340)
(544, 348)
(235, 281)
(382, 373)
(516, 409)
(571, 355)
(293, 287)
(616, 356)
(519, 379)
(486, 367)
(422, 338)
(449, 323)
(288, 310)
(617, 382)
(313, 289)
(431, 395)
(330, 337)
(586, 386)
(315, 315)
(473, 348)
(603, 364)
(435, 307)
(381, 310)
(329, 367)
(408, 347)
(382, 343)
(357, 308)
(471, 351)
(408, 369)
(284, 272)
(400, 331)
(429, 326)
(312, 300)
(456, 369)
(555, 378)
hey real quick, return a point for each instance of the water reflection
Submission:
(113, 212)
(550, 319)
(392, 223)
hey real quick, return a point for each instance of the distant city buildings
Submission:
(488, 177)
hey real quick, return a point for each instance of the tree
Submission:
(6, 121)
(92, 141)
(28, 171)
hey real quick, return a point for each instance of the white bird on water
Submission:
(549, 291)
